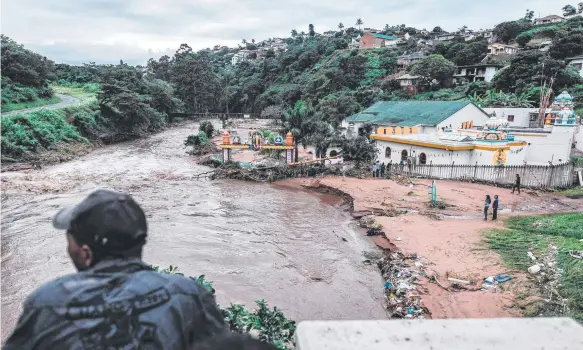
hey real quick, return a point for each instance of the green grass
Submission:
(535, 234)
(26, 133)
(84, 92)
(574, 192)
(9, 107)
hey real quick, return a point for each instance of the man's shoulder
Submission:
(53, 292)
(175, 282)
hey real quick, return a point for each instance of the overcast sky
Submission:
(105, 31)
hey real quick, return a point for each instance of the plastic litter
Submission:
(534, 269)
(503, 278)
(457, 281)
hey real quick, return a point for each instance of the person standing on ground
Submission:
(516, 184)
(115, 301)
(374, 169)
(495, 208)
(378, 169)
(383, 169)
(486, 206)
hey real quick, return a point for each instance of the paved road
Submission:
(65, 101)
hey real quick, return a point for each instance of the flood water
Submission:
(254, 241)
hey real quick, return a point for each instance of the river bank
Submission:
(294, 249)
(448, 241)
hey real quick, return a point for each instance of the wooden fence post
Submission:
(550, 179)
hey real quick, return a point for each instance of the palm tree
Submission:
(244, 41)
(299, 120)
(340, 26)
(253, 41)
(359, 23)
(294, 33)
(302, 34)
(322, 137)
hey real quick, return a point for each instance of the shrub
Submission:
(271, 324)
(208, 128)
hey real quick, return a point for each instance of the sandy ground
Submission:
(448, 240)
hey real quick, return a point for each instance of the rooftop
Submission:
(549, 17)
(408, 113)
(383, 36)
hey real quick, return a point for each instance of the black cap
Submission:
(108, 221)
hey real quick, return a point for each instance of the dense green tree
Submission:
(569, 10)
(311, 30)
(340, 26)
(25, 74)
(437, 30)
(529, 15)
(300, 121)
(507, 31)
(434, 67)
(529, 68)
(567, 45)
(358, 149)
(471, 53)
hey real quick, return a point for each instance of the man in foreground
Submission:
(115, 301)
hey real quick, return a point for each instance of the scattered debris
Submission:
(458, 281)
(577, 254)
(403, 298)
(534, 269)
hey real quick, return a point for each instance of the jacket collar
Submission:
(119, 265)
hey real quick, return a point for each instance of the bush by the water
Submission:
(23, 134)
(208, 128)
(270, 324)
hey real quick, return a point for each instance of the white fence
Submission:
(539, 176)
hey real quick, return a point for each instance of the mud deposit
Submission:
(254, 241)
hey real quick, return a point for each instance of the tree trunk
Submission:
(296, 153)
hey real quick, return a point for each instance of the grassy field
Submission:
(84, 92)
(9, 107)
(535, 234)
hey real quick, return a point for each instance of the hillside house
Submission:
(502, 49)
(374, 40)
(476, 72)
(576, 62)
(445, 37)
(487, 33)
(405, 60)
(410, 83)
(354, 43)
(242, 56)
(548, 20)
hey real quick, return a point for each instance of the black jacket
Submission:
(118, 304)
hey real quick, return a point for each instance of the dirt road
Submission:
(66, 100)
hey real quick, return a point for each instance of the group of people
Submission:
(378, 169)
(115, 300)
(488, 201)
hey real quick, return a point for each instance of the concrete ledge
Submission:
(450, 334)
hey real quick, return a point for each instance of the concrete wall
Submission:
(469, 112)
(521, 115)
(490, 72)
(433, 155)
(578, 138)
(451, 334)
(555, 147)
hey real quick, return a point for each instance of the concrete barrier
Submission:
(450, 334)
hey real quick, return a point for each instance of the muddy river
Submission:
(293, 248)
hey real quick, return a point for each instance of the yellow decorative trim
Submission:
(447, 147)
(277, 147)
(234, 146)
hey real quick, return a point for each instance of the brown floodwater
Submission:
(295, 249)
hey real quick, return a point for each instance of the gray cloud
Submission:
(105, 31)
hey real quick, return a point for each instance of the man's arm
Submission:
(208, 320)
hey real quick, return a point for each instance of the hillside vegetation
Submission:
(318, 71)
